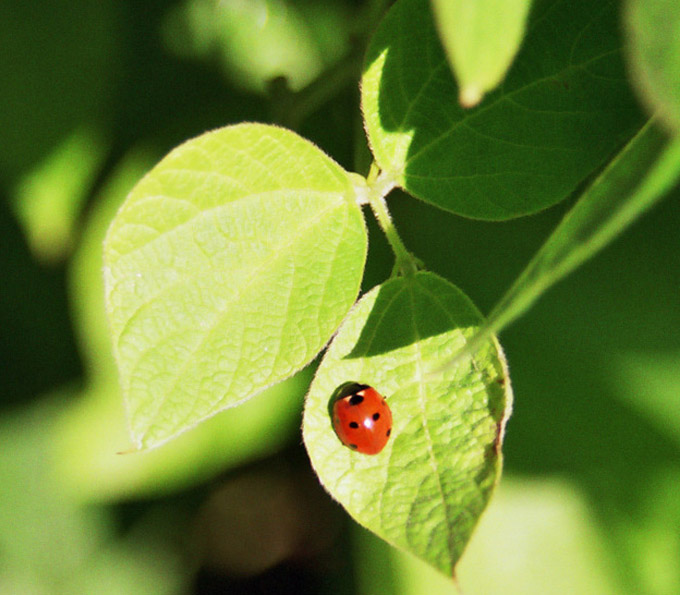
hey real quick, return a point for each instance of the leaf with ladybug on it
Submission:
(227, 269)
(428, 483)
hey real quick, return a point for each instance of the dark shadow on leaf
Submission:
(408, 310)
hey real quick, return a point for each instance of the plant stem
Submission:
(290, 108)
(379, 186)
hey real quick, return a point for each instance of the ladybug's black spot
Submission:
(376, 416)
(388, 432)
(353, 446)
(356, 399)
(354, 425)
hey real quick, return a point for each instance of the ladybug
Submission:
(362, 418)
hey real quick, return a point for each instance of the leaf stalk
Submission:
(379, 186)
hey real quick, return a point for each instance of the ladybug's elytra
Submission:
(362, 419)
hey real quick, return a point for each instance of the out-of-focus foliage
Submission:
(48, 199)
(653, 28)
(256, 41)
(59, 63)
(481, 39)
(51, 542)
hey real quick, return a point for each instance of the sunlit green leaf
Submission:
(426, 489)
(563, 108)
(85, 279)
(91, 431)
(480, 38)
(227, 269)
(653, 28)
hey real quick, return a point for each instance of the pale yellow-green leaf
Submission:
(481, 39)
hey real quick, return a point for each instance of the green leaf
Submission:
(653, 28)
(48, 200)
(426, 489)
(480, 38)
(635, 180)
(227, 269)
(91, 431)
(564, 107)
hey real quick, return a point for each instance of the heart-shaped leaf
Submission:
(425, 491)
(563, 108)
(227, 269)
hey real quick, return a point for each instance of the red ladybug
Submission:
(362, 419)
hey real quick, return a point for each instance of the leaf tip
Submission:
(470, 96)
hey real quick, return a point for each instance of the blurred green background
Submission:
(93, 93)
